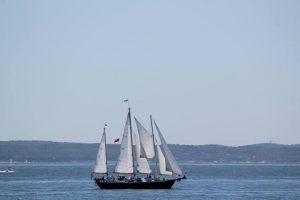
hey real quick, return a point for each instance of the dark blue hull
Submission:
(164, 184)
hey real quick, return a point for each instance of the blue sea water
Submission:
(71, 181)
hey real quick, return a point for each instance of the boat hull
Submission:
(166, 184)
(6, 172)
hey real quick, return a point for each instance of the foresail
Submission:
(101, 166)
(171, 163)
(162, 162)
(146, 141)
(142, 163)
(125, 161)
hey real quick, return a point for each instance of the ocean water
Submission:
(71, 181)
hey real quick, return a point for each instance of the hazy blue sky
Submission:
(221, 72)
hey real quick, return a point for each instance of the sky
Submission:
(209, 71)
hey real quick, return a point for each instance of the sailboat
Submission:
(8, 170)
(132, 169)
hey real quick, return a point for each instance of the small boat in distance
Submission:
(8, 170)
(132, 170)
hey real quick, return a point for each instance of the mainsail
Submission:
(125, 161)
(171, 164)
(101, 166)
(146, 141)
(162, 162)
(142, 163)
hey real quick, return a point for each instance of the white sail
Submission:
(171, 164)
(146, 140)
(125, 161)
(142, 163)
(101, 166)
(162, 162)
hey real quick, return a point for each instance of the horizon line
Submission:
(168, 143)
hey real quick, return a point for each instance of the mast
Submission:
(130, 128)
(105, 147)
(154, 145)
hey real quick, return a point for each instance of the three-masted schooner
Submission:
(132, 170)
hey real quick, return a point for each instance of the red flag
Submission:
(117, 140)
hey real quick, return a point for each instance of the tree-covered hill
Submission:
(45, 151)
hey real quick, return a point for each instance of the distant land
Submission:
(46, 151)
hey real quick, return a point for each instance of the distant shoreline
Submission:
(46, 151)
(91, 143)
